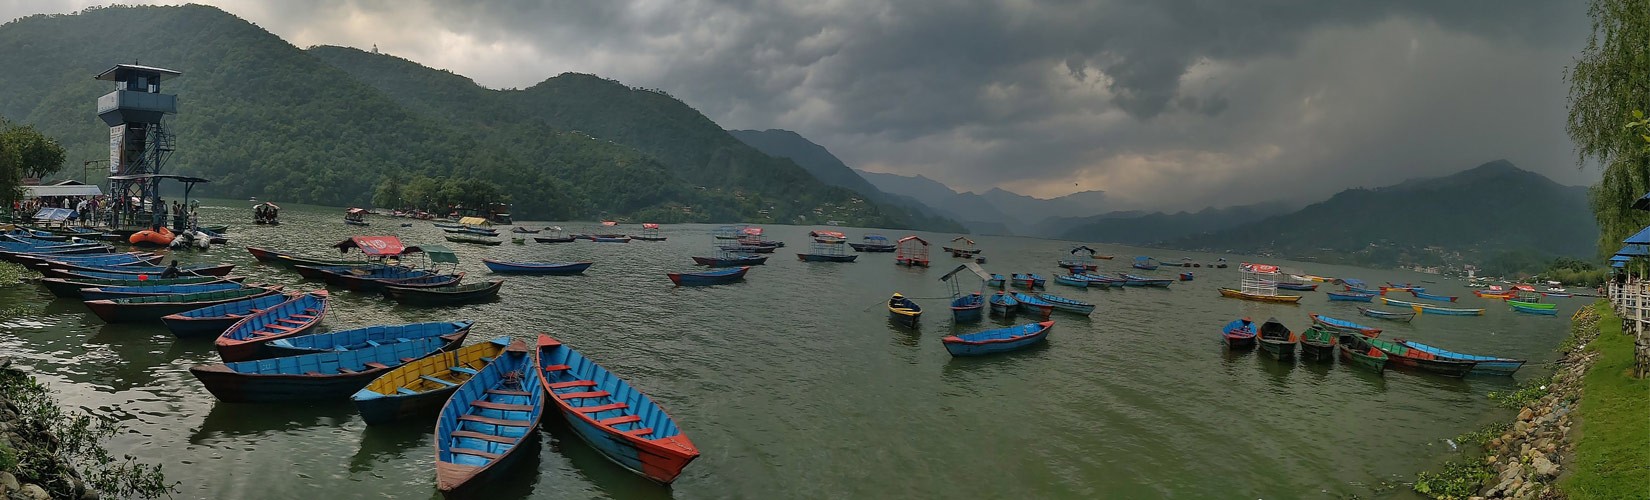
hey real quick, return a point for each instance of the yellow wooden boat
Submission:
(1239, 294)
(421, 387)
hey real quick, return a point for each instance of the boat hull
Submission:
(1278, 349)
(731, 261)
(113, 311)
(708, 278)
(550, 268)
(1279, 299)
(473, 293)
(596, 419)
(814, 257)
(959, 347)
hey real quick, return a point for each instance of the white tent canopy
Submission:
(64, 190)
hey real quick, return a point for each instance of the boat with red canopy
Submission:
(650, 232)
(911, 251)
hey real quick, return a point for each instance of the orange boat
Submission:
(163, 237)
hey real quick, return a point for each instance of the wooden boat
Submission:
(154, 307)
(145, 290)
(373, 279)
(903, 311)
(1067, 305)
(1401, 355)
(1239, 334)
(59, 269)
(1428, 296)
(967, 308)
(1023, 280)
(610, 239)
(430, 281)
(1484, 365)
(1303, 287)
(1350, 296)
(553, 268)
(1531, 305)
(1143, 262)
(1318, 343)
(554, 239)
(99, 259)
(1357, 351)
(213, 320)
(1132, 280)
(815, 257)
(321, 376)
(1276, 340)
(911, 251)
(746, 248)
(1557, 295)
(874, 243)
(473, 239)
(1367, 291)
(998, 340)
(1185, 276)
(1490, 294)
(246, 338)
(468, 293)
(1533, 310)
(1101, 281)
(289, 260)
(1238, 294)
(1432, 309)
(1003, 304)
(523, 230)
(69, 288)
(422, 387)
(731, 260)
(487, 420)
(708, 278)
(964, 248)
(1404, 316)
(1032, 303)
(624, 425)
(1343, 326)
(1071, 281)
(452, 332)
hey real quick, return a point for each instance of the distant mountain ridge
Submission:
(1144, 229)
(819, 161)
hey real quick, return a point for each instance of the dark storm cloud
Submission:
(1189, 101)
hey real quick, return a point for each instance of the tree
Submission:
(1608, 83)
(388, 194)
(25, 152)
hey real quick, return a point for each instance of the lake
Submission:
(794, 384)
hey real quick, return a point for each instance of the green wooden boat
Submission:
(1277, 341)
(474, 239)
(1356, 350)
(1318, 344)
(1531, 305)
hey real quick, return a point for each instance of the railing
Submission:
(1631, 301)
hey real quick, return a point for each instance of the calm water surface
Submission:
(794, 385)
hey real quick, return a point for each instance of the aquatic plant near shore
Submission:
(61, 451)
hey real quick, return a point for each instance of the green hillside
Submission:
(829, 169)
(1133, 228)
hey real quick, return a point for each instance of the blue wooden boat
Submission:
(322, 376)
(1542, 311)
(1341, 325)
(133, 278)
(422, 387)
(101, 259)
(59, 269)
(1003, 304)
(213, 320)
(154, 307)
(553, 268)
(1098, 281)
(1031, 303)
(617, 420)
(1067, 305)
(1486, 365)
(453, 332)
(997, 281)
(610, 239)
(731, 260)
(1132, 280)
(486, 421)
(246, 338)
(451, 295)
(1428, 296)
(375, 278)
(69, 288)
(1432, 309)
(967, 308)
(903, 311)
(874, 243)
(825, 257)
(999, 340)
(1239, 334)
(1369, 291)
(708, 278)
(1071, 281)
(1143, 262)
(1024, 280)
(1404, 316)
(1350, 296)
(122, 292)
(1037, 280)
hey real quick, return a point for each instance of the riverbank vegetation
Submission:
(24, 152)
(1612, 458)
(59, 453)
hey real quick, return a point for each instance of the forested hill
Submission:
(829, 169)
(263, 118)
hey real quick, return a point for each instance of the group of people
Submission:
(86, 208)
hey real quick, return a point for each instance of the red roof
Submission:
(753, 231)
(376, 246)
(827, 234)
(911, 238)
(650, 225)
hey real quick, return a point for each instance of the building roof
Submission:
(61, 190)
(112, 73)
(179, 178)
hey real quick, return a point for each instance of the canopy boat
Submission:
(911, 251)
(1032, 303)
(1076, 281)
(826, 249)
(557, 235)
(1350, 296)
(245, 339)
(626, 426)
(726, 233)
(1343, 326)
(289, 260)
(69, 288)
(1432, 309)
(731, 259)
(448, 295)
(146, 290)
(356, 217)
(1404, 316)
(1531, 305)
(1400, 355)
(152, 308)
(998, 340)
(1483, 365)
(1254, 287)
(1277, 341)
(421, 387)
(1239, 294)
(962, 247)
(1003, 304)
(707, 278)
(1428, 296)
(1144, 262)
(1356, 350)
(831, 237)
(1533, 310)
(487, 421)
(451, 332)
(873, 243)
(1068, 305)
(321, 376)
(1318, 344)
(1132, 280)
(1081, 260)
(554, 268)
(213, 320)
(650, 232)
(903, 311)
(474, 239)
(1239, 334)
(969, 306)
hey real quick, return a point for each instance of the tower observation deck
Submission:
(139, 143)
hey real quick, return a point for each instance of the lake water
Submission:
(794, 385)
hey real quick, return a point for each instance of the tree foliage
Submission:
(25, 152)
(1609, 81)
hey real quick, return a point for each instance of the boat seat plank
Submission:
(461, 369)
(500, 406)
(620, 420)
(438, 381)
(262, 333)
(581, 395)
(409, 392)
(376, 365)
(373, 343)
(485, 359)
(479, 453)
(291, 321)
(346, 370)
(407, 360)
(483, 437)
(279, 327)
(639, 432)
(575, 383)
(507, 392)
(601, 408)
(555, 368)
(301, 316)
(494, 421)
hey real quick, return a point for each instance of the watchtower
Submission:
(139, 143)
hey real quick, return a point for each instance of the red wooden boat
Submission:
(245, 340)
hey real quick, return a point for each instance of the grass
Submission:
(1612, 458)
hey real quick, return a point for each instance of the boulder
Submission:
(35, 492)
(1543, 467)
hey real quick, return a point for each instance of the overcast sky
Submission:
(1163, 104)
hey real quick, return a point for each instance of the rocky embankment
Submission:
(29, 468)
(1528, 458)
